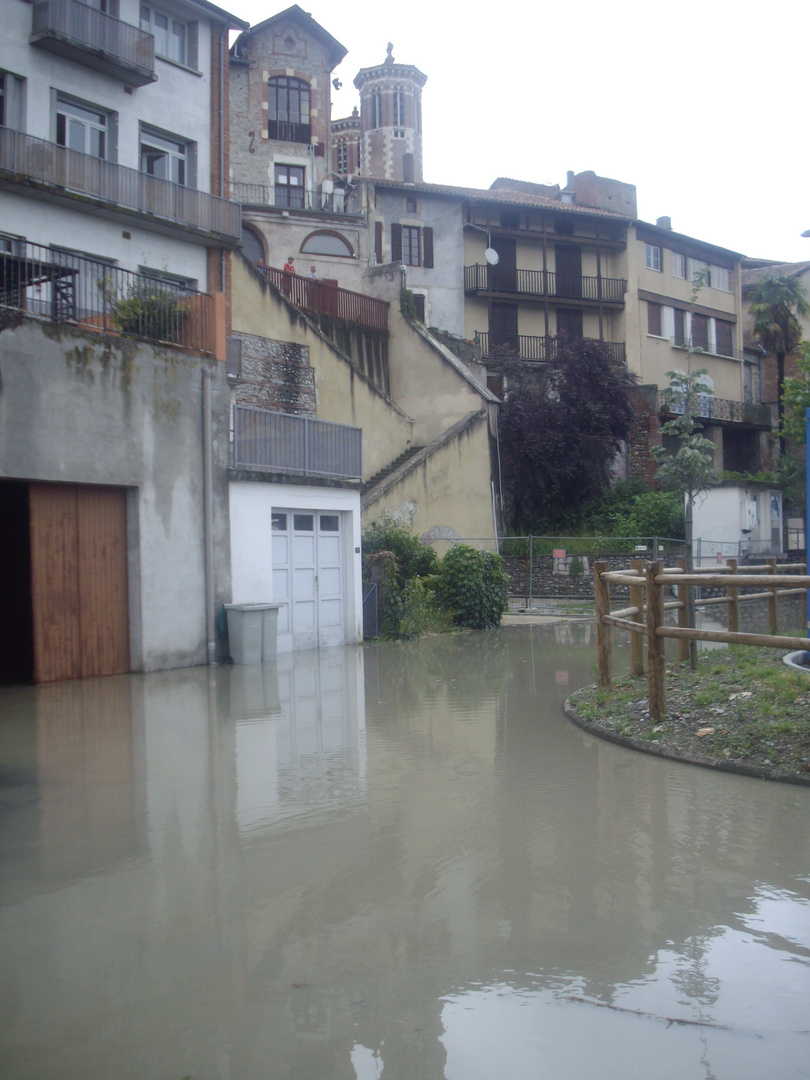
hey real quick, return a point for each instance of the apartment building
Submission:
(115, 230)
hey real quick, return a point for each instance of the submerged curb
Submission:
(758, 772)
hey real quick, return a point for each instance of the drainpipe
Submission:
(208, 519)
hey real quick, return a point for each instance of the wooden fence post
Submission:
(637, 640)
(683, 613)
(656, 655)
(603, 641)
(773, 601)
(733, 594)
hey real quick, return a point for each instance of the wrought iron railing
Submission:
(68, 27)
(496, 279)
(283, 197)
(526, 347)
(320, 299)
(24, 158)
(277, 442)
(709, 407)
(56, 286)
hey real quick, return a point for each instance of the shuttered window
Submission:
(654, 319)
(700, 332)
(378, 241)
(412, 245)
(724, 334)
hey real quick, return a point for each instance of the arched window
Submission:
(252, 245)
(288, 102)
(327, 243)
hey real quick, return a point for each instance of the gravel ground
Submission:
(743, 709)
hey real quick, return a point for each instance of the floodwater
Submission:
(398, 861)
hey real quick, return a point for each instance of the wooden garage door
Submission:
(79, 581)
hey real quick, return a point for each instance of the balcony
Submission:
(709, 349)
(538, 349)
(541, 284)
(276, 442)
(721, 410)
(113, 191)
(55, 287)
(90, 37)
(319, 299)
(281, 198)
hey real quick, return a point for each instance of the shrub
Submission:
(399, 561)
(473, 587)
(150, 310)
(413, 558)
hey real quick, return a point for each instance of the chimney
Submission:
(664, 223)
(569, 181)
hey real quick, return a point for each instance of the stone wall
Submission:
(552, 577)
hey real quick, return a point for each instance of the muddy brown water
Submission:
(395, 861)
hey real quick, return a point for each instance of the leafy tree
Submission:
(473, 586)
(777, 304)
(562, 426)
(689, 469)
(796, 399)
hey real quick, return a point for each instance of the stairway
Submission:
(381, 475)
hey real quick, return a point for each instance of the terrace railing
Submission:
(543, 283)
(526, 347)
(91, 37)
(286, 198)
(59, 287)
(709, 407)
(319, 299)
(276, 442)
(24, 158)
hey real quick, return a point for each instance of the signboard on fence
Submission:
(558, 553)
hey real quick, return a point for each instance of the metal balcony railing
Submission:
(282, 197)
(709, 407)
(543, 283)
(25, 160)
(277, 442)
(91, 37)
(59, 287)
(525, 347)
(318, 298)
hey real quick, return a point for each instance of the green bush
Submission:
(413, 558)
(473, 587)
(149, 310)
(421, 611)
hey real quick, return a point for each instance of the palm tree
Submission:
(777, 304)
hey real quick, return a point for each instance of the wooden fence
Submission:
(648, 619)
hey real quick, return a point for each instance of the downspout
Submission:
(223, 59)
(208, 519)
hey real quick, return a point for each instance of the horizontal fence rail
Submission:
(484, 278)
(646, 619)
(97, 32)
(277, 442)
(128, 189)
(59, 287)
(528, 347)
(319, 298)
(328, 202)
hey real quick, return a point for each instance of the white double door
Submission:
(309, 578)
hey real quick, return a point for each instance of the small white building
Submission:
(737, 521)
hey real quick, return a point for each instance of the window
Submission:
(700, 332)
(84, 128)
(694, 267)
(678, 265)
(167, 157)
(720, 278)
(326, 243)
(376, 109)
(288, 110)
(680, 326)
(11, 101)
(412, 245)
(419, 306)
(174, 39)
(289, 189)
(330, 523)
(724, 337)
(411, 206)
(252, 245)
(342, 157)
(399, 114)
(652, 257)
(654, 312)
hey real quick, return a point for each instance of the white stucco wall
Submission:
(251, 507)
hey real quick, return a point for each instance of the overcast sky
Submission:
(703, 106)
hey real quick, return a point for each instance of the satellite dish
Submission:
(491, 255)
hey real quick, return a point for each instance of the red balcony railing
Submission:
(319, 299)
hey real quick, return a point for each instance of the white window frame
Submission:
(13, 101)
(721, 278)
(83, 113)
(176, 149)
(173, 37)
(678, 265)
(653, 257)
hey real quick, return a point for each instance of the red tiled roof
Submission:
(752, 277)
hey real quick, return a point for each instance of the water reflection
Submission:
(392, 861)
